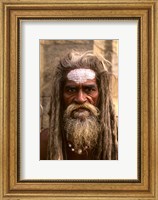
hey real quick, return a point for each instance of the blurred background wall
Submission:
(50, 53)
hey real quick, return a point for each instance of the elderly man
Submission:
(83, 124)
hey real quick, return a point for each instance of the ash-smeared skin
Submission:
(81, 75)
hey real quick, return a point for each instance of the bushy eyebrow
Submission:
(71, 86)
(84, 86)
(90, 86)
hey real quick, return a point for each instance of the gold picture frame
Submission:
(146, 187)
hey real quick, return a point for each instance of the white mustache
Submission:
(72, 107)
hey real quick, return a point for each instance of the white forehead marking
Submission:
(81, 75)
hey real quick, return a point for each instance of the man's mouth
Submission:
(81, 110)
(81, 113)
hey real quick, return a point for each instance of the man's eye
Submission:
(88, 90)
(71, 90)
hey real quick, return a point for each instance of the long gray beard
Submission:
(82, 128)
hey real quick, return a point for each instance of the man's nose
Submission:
(80, 97)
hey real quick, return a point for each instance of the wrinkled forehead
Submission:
(81, 75)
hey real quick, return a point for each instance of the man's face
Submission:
(81, 113)
(80, 90)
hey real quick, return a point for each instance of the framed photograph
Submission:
(79, 100)
(80, 132)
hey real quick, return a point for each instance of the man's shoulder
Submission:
(44, 133)
(44, 143)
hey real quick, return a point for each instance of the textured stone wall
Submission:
(109, 50)
(50, 53)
